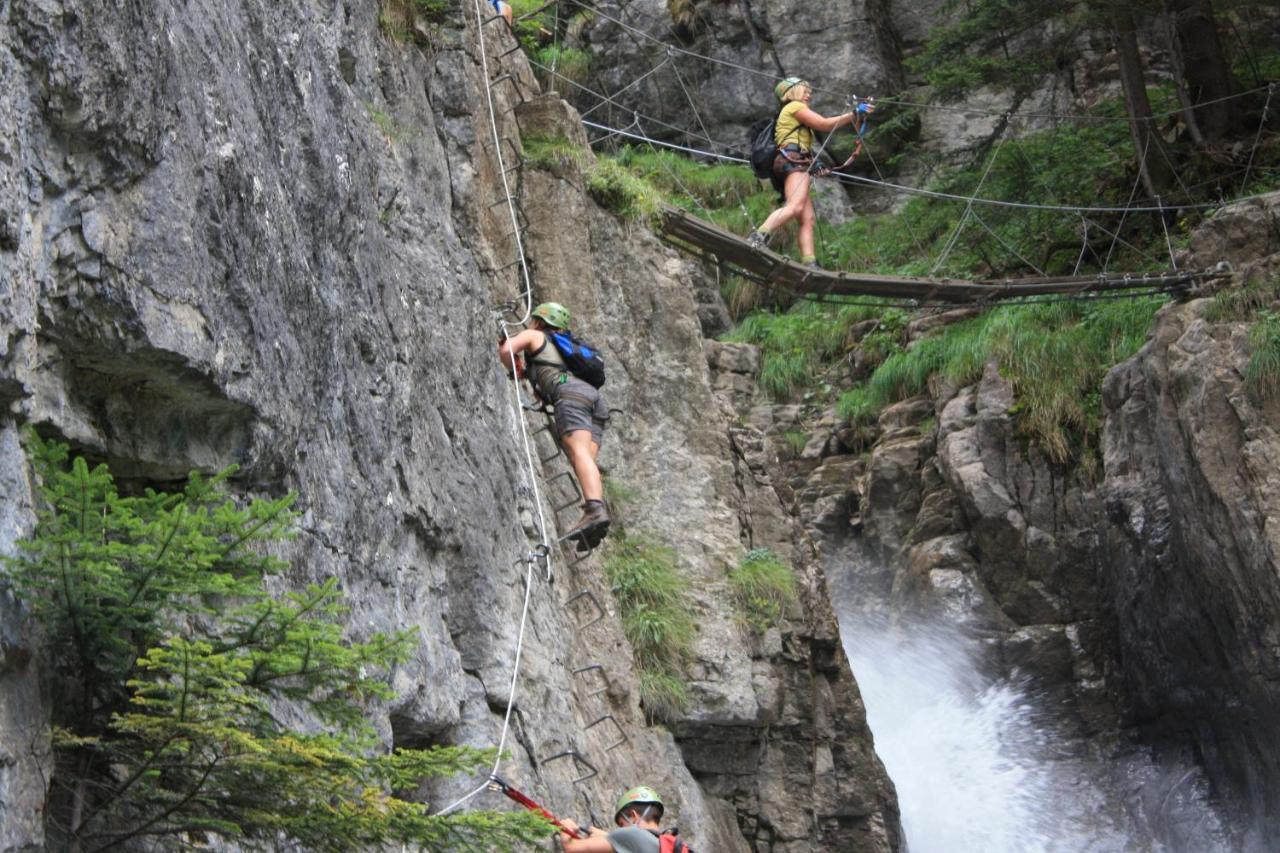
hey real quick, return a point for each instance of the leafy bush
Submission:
(765, 588)
(172, 669)
(652, 598)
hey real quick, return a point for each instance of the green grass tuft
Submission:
(764, 587)
(620, 191)
(569, 62)
(796, 344)
(1056, 356)
(657, 617)
(1262, 376)
(665, 697)
(553, 153)
(796, 440)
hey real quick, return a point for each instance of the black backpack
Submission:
(582, 359)
(763, 146)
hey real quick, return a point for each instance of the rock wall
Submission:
(1140, 603)
(265, 233)
(1191, 496)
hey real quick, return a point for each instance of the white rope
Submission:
(518, 417)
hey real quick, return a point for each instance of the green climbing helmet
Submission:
(780, 90)
(639, 796)
(553, 314)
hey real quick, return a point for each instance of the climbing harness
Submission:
(496, 783)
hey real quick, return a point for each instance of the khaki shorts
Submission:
(580, 406)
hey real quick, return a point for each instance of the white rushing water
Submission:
(965, 752)
(981, 765)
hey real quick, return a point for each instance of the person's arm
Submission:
(517, 345)
(596, 842)
(821, 123)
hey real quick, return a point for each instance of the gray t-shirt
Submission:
(632, 839)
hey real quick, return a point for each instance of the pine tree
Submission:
(175, 669)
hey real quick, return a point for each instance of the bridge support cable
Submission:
(732, 251)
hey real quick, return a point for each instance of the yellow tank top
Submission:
(789, 130)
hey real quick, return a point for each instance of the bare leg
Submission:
(797, 193)
(807, 219)
(582, 451)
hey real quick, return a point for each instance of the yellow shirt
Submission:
(789, 130)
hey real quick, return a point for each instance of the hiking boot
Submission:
(758, 240)
(594, 524)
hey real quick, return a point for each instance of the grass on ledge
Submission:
(764, 587)
(657, 619)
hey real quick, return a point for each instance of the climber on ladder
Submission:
(794, 162)
(637, 816)
(567, 374)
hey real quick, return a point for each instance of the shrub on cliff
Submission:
(178, 681)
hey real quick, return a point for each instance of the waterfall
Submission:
(984, 762)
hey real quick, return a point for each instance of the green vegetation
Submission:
(657, 618)
(388, 125)
(765, 588)
(797, 343)
(177, 680)
(1056, 356)
(997, 42)
(568, 62)
(1262, 376)
(620, 191)
(1243, 303)
(796, 441)
(553, 153)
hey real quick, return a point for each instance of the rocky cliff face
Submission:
(843, 47)
(264, 233)
(1139, 604)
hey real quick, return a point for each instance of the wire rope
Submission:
(636, 31)
(518, 416)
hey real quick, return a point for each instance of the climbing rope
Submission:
(543, 549)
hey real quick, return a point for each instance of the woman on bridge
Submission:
(793, 164)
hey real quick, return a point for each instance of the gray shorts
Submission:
(580, 406)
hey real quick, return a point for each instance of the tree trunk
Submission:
(1154, 160)
(1204, 66)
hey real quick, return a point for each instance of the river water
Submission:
(984, 763)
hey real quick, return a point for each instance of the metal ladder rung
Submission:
(577, 760)
(595, 602)
(604, 676)
(622, 736)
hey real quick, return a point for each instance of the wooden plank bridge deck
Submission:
(729, 250)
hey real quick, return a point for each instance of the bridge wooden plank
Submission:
(730, 249)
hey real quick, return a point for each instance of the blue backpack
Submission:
(582, 359)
